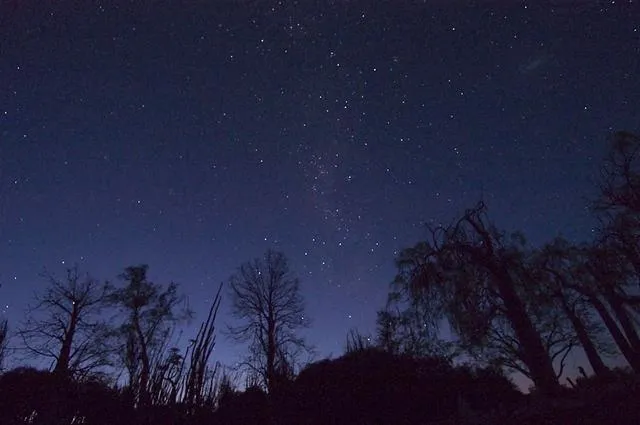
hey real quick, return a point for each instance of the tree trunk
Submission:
(143, 390)
(632, 358)
(535, 355)
(271, 355)
(632, 257)
(598, 366)
(64, 357)
(625, 321)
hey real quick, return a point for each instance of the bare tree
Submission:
(406, 327)
(151, 312)
(620, 233)
(66, 326)
(611, 264)
(267, 303)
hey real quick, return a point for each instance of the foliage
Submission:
(476, 278)
(511, 307)
(405, 331)
(150, 313)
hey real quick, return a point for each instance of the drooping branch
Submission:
(469, 274)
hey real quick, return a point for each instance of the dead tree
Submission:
(267, 303)
(620, 175)
(65, 324)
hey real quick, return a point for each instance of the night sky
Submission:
(192, 136)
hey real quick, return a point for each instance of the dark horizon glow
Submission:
(193, 137)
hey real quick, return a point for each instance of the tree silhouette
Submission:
(611, 263)
(604, 287)
(620, 233)
(469, 273)
(620, 175)
(498, 344)
(267, 303)
(150, 311)
(4, 334)
(65, 324)
(555, 265)
(406, 327)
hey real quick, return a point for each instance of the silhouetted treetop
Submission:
(269, 312)
(620, 174)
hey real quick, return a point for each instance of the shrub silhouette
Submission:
(375, 387)
(243, 408)
(99, 404)
(33, 396)
(39, 397)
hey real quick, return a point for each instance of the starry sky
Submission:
(191, 136)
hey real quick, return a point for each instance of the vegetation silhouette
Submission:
(373, 386)
(64, 324)
(510, 306)
(267, 303)
(31, 396)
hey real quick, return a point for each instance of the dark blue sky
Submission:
(191, 136)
